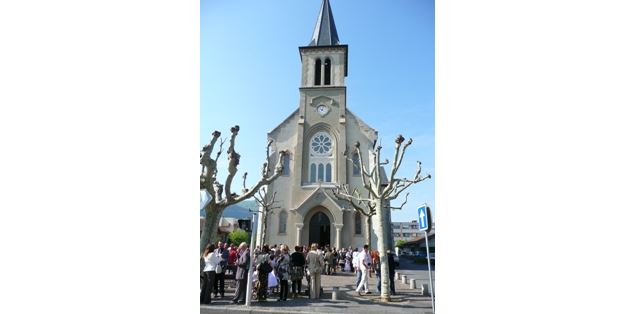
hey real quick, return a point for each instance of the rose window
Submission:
(321, 144)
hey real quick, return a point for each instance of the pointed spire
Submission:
(325, 33)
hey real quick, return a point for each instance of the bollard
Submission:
(424, 289)
(335, 294)
(396, 276)
(413, 284)
(404, 279)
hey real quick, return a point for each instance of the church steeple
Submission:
(325, 33)
(325, 59)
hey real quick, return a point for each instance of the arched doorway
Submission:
(320, 229)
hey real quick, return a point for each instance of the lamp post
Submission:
(250, 271)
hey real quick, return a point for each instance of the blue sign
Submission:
(425, 221)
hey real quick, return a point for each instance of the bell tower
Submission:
(322, 124)
(324, 60)
(318, 137)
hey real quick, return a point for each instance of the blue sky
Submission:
(250, 75)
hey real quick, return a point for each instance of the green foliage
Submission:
(400, 243)
(238, 236)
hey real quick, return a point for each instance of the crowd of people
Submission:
(273, 267)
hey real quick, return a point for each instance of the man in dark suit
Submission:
(219, 280)
(391, 270)
(243, 266)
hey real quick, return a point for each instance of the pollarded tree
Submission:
(217, 203)
(365, 208)
(265, 210)
(380, 194)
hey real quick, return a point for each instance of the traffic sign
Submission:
(205, 198)
(425, 224)
(425, 218)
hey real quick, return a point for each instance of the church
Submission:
(317, 137)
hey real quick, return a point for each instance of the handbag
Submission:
(218, 269)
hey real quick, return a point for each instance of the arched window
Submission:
(286, 165)
(318, 70)
(358, 223)
(321, 172)
(313, 173)
(282, 223)
(321, 158)
(327, 71)
(356, 166)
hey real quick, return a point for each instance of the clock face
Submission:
(322, 110)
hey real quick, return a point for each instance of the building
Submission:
(407, 230)
(316, 136)
(417, 246)
(414, 237)
(237, 216)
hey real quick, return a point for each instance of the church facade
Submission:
(318, 137)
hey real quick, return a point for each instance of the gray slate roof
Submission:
(325, 33)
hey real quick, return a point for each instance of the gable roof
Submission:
(284, 121)
(319, 190)
(370, 132)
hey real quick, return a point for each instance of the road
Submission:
(419, 272)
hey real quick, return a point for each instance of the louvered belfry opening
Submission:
(318, 69)
(327, 71)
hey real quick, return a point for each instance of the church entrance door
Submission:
(320, 229)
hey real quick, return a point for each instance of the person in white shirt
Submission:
(363, 264)
(358, 274)
(211, 260)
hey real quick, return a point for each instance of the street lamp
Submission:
(250, 271)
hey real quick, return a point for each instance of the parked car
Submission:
(396, 257)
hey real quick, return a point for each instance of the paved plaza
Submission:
(406, 301)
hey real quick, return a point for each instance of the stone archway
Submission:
(320, 229)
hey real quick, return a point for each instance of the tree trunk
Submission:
(369, 224)
(263, 233)
(381, 228)
(210, 229)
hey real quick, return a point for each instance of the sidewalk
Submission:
(406, 301)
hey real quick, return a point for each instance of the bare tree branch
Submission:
(354, 200)
(354, 194)
(261, 198)
(376, 171)
(364, 173)
(215, 207)
(398, 158)
(263, 181)
(402, 204)
(208, 165)
(266, 205)
(234, 160)
(220, 149)
(218, 191)
(265, 166)
(244, 183)
(417, 179)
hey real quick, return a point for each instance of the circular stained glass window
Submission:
(321, 144)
